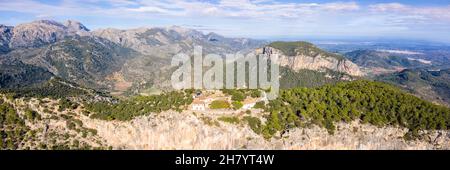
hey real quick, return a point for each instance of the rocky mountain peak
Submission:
(5, 37)
(45, 22)
(75, 26)
(42, 32)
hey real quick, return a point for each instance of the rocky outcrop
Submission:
(312, 61)
(75, 27)
(5, 38)
(161, 41)
(172, 130)
(43, 32)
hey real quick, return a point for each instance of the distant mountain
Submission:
(5, 38)
(132, 60)
(303, 55)
(171, 40)
(378, 62)
(428, 84)
(86, 60)
(156, 46)
(25, 80)
(43, 32)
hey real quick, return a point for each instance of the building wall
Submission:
(198, 107)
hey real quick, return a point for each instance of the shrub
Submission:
(260, 105)
(31, 114)
(232, 120)
(219, 104)
(254, 123)
(237, 105)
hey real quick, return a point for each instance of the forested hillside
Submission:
(431, 85)
(371, 102)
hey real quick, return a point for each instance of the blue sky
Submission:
(263, 19)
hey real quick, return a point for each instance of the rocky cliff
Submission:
(42, 32)
(5, 38)
(302, 55)
(172, 130)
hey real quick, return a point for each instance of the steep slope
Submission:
(351, 115)
(5, 38)
(119, 60)
(310, 78)
(431, 85)
(15, 74)
(379, 62)
(157, 46)
(42, 32)
(304, 55)
(86, 60)
(76, 27)
(167, 41)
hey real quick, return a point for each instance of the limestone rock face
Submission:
(311, 61)
(42, 32)
(172, 130)
(161, 41)
(75, 27)
(5, 37)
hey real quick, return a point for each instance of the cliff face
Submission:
(318, 61)
(5, 37)
(43, 32)
(172, 130)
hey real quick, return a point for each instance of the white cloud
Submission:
(442, 12)
(351, 6)
(148, 9)
(386, 7)
(249, 17)
(188, 8)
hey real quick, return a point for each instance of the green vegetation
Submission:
(376, 103)
(254, 123)
(66, 104)
(141, 105)
(12, 127)
(260, 105)
(308, 78)
(229, 119)
(209, 121)
(240, 94)
(379, 59)
(219, 104)
(31, 114)
(236, 95)
(237, 105)
(16, 74)
(430, 85)
(255, 93)
(302, 48)
(54, 88)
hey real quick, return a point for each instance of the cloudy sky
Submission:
(264, 19)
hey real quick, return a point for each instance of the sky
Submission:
(261, 19)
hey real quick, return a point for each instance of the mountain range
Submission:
(63, 86)
(431, 85)
(137, 61)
